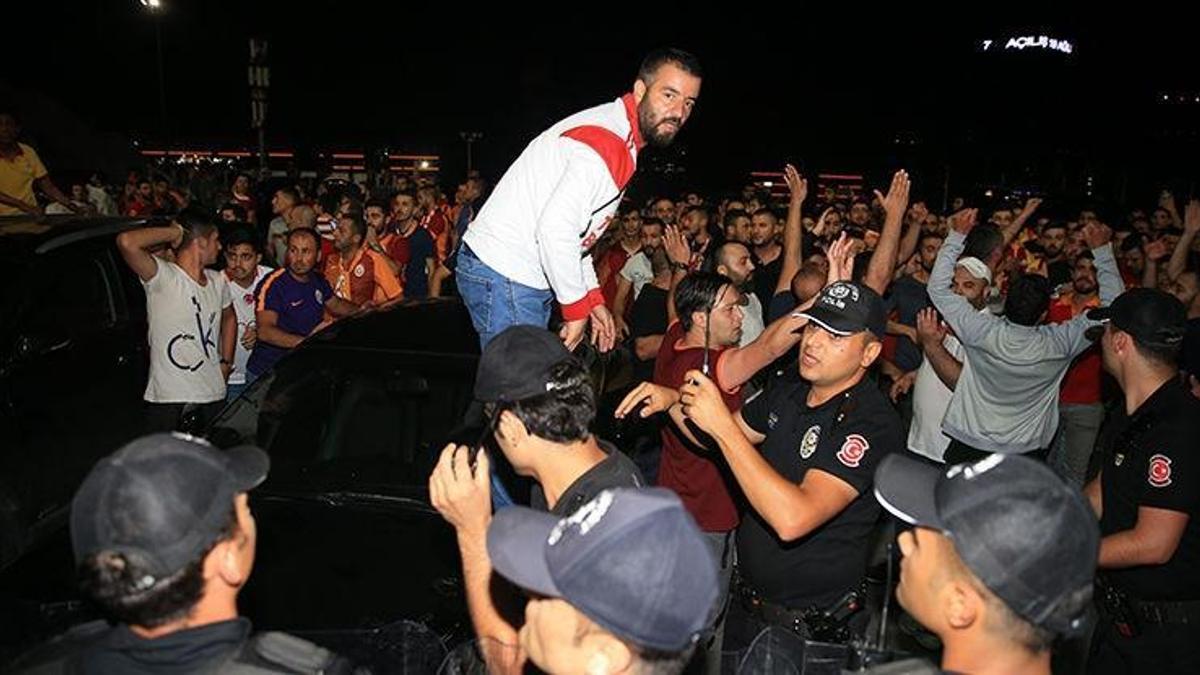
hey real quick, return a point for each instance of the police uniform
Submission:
(1151, 617)
(845, 437)
(222, 647)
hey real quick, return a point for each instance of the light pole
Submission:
(155, 7)
(259, 78)
(469, 137)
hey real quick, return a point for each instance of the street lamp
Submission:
(469, 137)
(155, 7)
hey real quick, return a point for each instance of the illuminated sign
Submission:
(1023, 42)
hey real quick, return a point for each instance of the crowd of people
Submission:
(1017, 384)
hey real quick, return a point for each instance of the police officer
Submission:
(802, 553)
(1148, 495)
(164, 541)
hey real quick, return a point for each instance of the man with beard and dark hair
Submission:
(734, 260)
(768, 252)
(737, 225)
(636, 273)
(1080, 410)
(664, 210)
(292, 302)
(358, 273)
(695, 223)
(1053, 241)
(531, 242)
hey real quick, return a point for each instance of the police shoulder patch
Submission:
(1159, 473)
(853, 450)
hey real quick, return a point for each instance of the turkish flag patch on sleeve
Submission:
(1160, 471)
(853, 450)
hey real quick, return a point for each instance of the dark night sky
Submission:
(833, 87)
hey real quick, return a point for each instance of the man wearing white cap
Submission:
(943, 362)
(1006, 398)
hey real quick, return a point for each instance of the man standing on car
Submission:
(531, 243)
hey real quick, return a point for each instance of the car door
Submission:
(68, 383)
(353, 436)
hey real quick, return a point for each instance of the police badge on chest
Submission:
(808, 445)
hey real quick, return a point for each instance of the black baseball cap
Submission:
(1031, 539)
(848, 307)
(632, 560)
(516, 364)
(163, 497)
(1154, 318)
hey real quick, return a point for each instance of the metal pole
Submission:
(263, 172)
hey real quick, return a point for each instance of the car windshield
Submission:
(377, 419)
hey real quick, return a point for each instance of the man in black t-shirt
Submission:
(1148, 495)
(648, 322)
(1053, 242)
(540, 405)
(804, 546)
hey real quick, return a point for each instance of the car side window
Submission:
(320, 408)
(74, 297)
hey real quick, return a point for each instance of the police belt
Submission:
(1126, 611)
(826, 624)
(1167, 612)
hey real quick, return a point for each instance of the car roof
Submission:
(437, 326)
(42, 234)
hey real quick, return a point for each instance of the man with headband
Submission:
(943, 362)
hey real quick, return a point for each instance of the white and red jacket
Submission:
(555, 201)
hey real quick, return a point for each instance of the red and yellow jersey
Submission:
(366, 277)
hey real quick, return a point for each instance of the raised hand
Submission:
(1156, 250)
(1191, 217)
(1096, 234)
(797, 184)
(841, 260)
(896, 201)
(962, 221)
(676, 246)
(930, 330)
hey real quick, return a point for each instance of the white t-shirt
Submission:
(930, 398)
(243, 305)
(752, 319)
(277, 239)
(185, 335)
(637, 270)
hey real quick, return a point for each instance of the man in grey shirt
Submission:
(1006, 400)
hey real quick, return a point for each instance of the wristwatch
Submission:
(679, 266)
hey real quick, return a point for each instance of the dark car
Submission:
(350, 552)
(73, 364)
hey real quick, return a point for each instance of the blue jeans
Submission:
(232, 391)
(496, 302)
